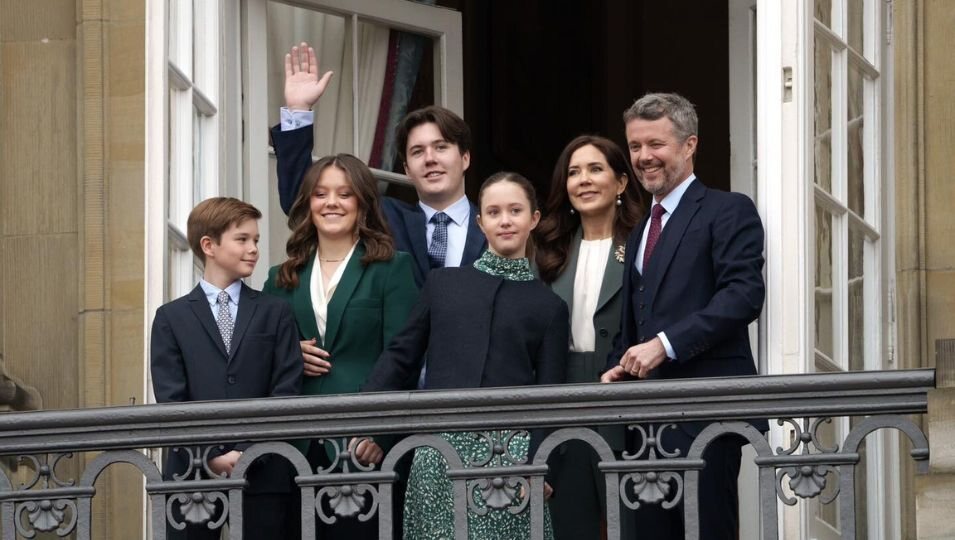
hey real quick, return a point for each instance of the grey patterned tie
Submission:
(438, 250)
(225, 321)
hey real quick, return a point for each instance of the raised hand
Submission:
(303, 87)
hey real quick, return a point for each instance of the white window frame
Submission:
(193, 94)
(442, 25)
(786, 197)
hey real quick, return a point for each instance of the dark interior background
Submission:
(537, 73)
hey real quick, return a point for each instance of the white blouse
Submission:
(321, 297)
(591, 264)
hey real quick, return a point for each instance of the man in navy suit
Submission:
(692, 284)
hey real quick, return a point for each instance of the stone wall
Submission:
(71, 213)
(924, 225)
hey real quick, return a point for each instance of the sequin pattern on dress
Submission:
(429, 506)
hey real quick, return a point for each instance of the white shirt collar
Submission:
(458, 212)
(212, 292)
(672, 200)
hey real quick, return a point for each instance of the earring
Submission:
(619, 202)
(572, 211)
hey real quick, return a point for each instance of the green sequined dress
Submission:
(429, 506)
(429, 500)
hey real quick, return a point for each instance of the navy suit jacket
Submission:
(702, 287)
(293, 153)
(189, 362)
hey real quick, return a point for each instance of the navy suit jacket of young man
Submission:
(293, 153)
(702, 287)
(189, 363)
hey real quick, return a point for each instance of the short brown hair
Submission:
(452, 127)
(214, 216)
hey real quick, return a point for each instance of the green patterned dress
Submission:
(429, 500)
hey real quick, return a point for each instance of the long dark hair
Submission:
(556, 230)
(372, 228)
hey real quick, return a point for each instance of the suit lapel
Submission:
(613, 278)
(563, 286)
(475, 241)
(248, 302)
(200, 307)
(673, 234)
(302, 304)
(416, 230)
(343, 293)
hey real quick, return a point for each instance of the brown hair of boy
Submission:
(214, 216)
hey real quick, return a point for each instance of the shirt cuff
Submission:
(666, 345)
(295, 119)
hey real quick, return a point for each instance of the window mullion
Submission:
(351, 25)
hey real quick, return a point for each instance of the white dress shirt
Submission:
(669, 203)
(591, 264)
(460, 213)
(294, 119)
(320, 296)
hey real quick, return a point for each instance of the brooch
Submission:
(620, 253)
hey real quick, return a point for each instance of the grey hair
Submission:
(673, 106)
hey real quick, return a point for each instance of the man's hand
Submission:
(641, 359)
(613, 374)
(316, 363)
(224, 464)
(366, 450)
(302, 85)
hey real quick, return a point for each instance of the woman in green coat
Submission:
(350, 292)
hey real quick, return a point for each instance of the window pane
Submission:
(823, 115)
(197, 180)
(823, 12)
(856, 14)
(180, 35)
(856, 288)
(856, 150)
(823, 283)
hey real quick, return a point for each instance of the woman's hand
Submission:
(225, 463)
(316, 363)
(366, 450)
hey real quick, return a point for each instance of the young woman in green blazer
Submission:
(350, 292)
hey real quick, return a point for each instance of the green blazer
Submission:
(607, 314)
(369, 306)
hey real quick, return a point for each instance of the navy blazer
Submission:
(293, 154)
(189, 362)
(702, 286)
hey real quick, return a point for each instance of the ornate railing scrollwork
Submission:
(45, 503)
(494, 477)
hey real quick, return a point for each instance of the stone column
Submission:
(935, 492)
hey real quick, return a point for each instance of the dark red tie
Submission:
(656, 225)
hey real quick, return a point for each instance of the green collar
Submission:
(509, 269)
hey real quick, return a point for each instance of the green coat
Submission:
(369, 306)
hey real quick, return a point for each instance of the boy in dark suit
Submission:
(225, 340)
